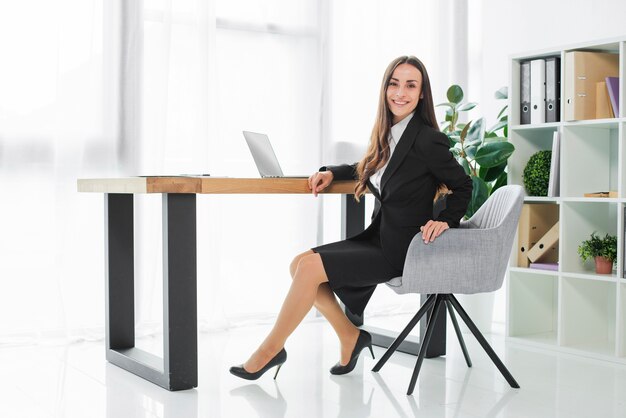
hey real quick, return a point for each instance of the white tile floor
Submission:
(76, 381)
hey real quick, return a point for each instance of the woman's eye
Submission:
(393, 83)
(412, 86)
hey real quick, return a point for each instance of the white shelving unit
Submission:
(573, 309)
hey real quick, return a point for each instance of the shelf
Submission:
(540, 199)
(573, 310)
(596, 123)
(589, 159)
(611, 278)
(578, 221)
(525, 270)
(527, 142)
(621, 323)
(551, 127)
(588, 310)
(540, 339)
(591, 199)
(532, 303)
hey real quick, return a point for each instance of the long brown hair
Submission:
(378, 152)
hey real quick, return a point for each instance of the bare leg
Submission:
(327, 305)
(300, 298)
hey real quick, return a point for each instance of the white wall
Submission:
(512, 27)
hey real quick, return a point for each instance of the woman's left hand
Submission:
(432, 230)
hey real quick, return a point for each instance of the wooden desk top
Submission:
(207, 185)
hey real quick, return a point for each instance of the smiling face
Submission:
(404, 91)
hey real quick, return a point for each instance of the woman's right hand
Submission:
(319, 181)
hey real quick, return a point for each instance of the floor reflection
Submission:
(128, 395)
(261, 401)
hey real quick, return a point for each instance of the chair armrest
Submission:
(461, 260)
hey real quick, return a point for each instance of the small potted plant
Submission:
(602, 250)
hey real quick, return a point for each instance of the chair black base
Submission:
(441, 301)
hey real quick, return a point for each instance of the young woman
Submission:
(407, 162)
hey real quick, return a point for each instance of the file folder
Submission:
(547, 243)
(612, 84)
(555, 162)
(525, 92)
(583, 69)
(603, 103)
(553, 89)
(535, 220)
(538, 91)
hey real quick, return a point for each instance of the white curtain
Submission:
(113, 88)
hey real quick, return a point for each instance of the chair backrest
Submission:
(471, 265)
(503, 207)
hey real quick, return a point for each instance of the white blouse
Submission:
(394, 137)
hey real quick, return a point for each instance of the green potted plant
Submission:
(602, 250)
(482, 152)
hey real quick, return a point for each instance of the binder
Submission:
(612, 84)
(525, 92)
(555, 161)
(583, 69)
(535, 220)
(548, 242)
(553, 89)
(538, 91)
(603, 103)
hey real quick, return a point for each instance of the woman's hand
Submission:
(432, 230)
(319, 181)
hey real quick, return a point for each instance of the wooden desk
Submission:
(178, 369)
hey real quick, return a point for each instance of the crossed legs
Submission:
(309, 288)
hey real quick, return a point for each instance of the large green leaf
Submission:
(502, 112)
(445, 125)
(494, 138)
(490, 136)
(455, 94)
(490, 174)
(502, 181)
(476, 132)
(466, 106)
(454, 138)
(463, 133)
(502, 93)
(448, 104)
(480, 193)
(494, 153)
(471, 151)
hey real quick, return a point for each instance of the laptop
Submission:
(264, 156)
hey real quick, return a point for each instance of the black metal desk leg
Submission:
(119, 271)
(178, 369)
(180, 311)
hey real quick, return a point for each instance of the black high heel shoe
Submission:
(364, 340)
(278, 360)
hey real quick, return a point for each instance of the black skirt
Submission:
(355, 266)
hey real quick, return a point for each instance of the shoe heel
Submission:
(372, 352)
(277, 370)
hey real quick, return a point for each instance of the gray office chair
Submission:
(467, 260)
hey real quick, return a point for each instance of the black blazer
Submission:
(421, 160)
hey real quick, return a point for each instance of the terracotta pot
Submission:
(603, 266)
